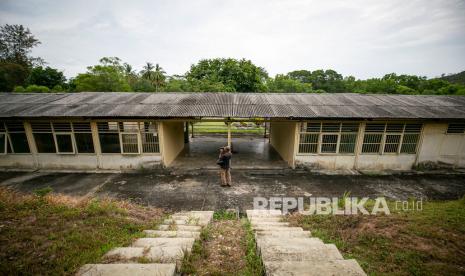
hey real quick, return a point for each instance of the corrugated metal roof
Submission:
(272, 105)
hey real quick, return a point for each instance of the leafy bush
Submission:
(19, 89)
(37, 88)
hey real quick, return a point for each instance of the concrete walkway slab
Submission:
(304, 253)
(172, 234)
(283, 234)
(127, 270)
(170, 227)
(159, 242)
(333, 268)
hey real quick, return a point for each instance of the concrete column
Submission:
(186, 132)
(32, 143)
(96, 141)
(229, 134)
(358, 146)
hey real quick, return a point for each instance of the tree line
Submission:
(20, 72)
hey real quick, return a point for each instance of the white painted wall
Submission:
(283, 139)
(437, 146)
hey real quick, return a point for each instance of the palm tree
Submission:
(159, 77)
(156, 77)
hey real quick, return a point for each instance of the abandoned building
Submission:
(123, 131)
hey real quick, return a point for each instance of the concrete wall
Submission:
(172, 140)
(437, 146)
(283, 138)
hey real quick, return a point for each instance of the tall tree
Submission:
(16, 43)
(47, 76)
(154, 74)
(106, 76)
(237, 75)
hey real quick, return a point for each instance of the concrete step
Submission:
(315, 252)
(167, 227)
(276, 228)
(127, 270)
(172, 234)
(317, 268)
(165, 254)
(270, 219)
(283, 234)
(184, 243)
(269, 223)
(271, 241)
(263, 213)
(189, 221)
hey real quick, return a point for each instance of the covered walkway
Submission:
(249, 152)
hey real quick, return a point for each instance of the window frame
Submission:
(454, 133)
(139, 131)
(303, 131)
(73, 143)
(5, 146)
(9, 141)
(386, 133)
(139, 142)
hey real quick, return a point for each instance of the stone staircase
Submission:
(289, 250)
(160, 253)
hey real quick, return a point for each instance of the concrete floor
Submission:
(249, 152)
(200, 190)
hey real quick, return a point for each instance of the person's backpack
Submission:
(220, 162)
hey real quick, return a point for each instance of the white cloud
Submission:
(360, 37)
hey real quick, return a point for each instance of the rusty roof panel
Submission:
(278, 105)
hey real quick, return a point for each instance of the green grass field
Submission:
(55, 235)
(426, 242)
(221, 127)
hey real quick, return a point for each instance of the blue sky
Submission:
(362, 38)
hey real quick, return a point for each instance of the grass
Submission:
(430, 241)
(49, 234)
(220, 127)
(226, 247)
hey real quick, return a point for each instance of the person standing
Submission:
(224, 161)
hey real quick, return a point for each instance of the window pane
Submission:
(456, 128)
(413, 128)
(2, 143)
(82, 127)
(44, 142)
(409, 143)
(84, 142)
(64, 143)
(313, 127)
(391, 144)
(372, 143)
(330, 127)
(150, 142)
(64, 127)
(329, 143)
(374, 128)
(309, 138)
(349, 127)
(41, 127)
(109, 142)
(308, 148)
(347, 143)
(130, 143)
(394, 127)
(15, 126)
(19, 142)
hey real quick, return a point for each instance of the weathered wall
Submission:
(437, 146)
(283, 139)
(17, 161)
(172, 140)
